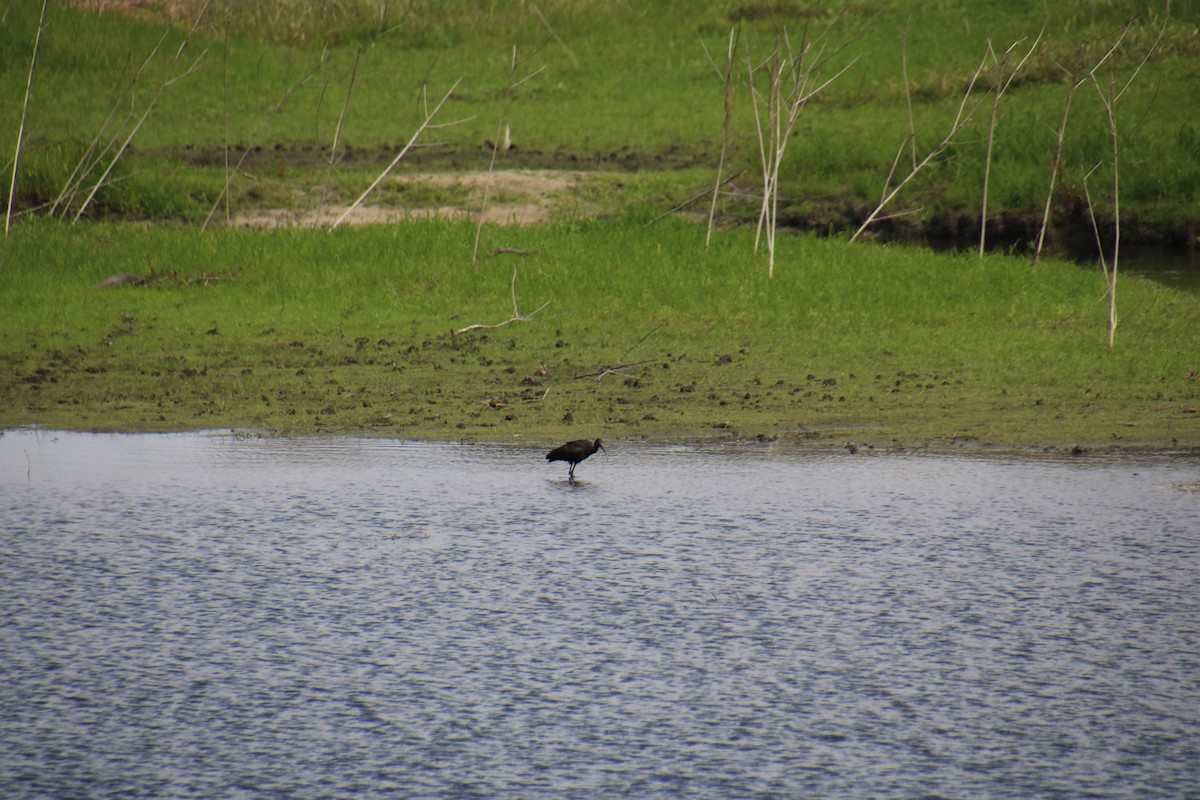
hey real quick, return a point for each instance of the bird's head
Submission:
(601, 447)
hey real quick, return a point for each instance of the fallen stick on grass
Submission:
(428, 123)
(513, 251)
(516, 317)
(711, 190)
(621, 364)
(615, 369)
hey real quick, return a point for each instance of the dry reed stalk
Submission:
(999, 87)
(425, 124)
(12, 187)
(166, 84)
(554, 34)
(1109, 98)
(789, 77)
(337, 135)
(912, 125)
(225, 104)
(94, 154)
(516, 317)
(230, 175)
(511, 84)
(694, 198)
(728, 85)
(1078, 79)
(962, 118)
(1095, 225)
(1110, 108)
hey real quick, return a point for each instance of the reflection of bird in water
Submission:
(574, 452)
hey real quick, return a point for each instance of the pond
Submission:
(209, 615)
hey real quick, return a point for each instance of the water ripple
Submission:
(205, 615)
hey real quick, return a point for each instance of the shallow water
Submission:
(214, 616)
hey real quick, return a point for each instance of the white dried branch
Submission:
(516, 317)
(403, 152)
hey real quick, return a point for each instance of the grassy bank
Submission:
(611, 87)
(164, 129)
(350, 331)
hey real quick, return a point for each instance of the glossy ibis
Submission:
(574, 452)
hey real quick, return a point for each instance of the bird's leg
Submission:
(571, 473)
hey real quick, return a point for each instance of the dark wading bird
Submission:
(574, 452)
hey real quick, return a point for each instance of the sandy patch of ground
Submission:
(515, 197)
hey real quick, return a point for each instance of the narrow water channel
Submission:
(217, 616)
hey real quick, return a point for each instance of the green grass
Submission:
(631, 88)
(350, 331)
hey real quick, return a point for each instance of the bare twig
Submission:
(500, 143)
(195, 24)
(420, 129)
(615, 369)
(132, 133)
(711, 190)
(621, 364)
(999, 87)
(790, 75)
(94, 154)
(912, 126)
(887, 181)
(1109, 97)
(728, 84)
(1109, 101)
(516, 317)
(262, 126)
(645, 336)
(512, 251)
(1078, 79)
(962, 118)
(1095, 225)
(554, 34)
(12, 187)
(337, 134)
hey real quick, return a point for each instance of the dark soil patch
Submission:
(623, 159)
(1011, 231)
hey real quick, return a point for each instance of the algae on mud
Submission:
(351, 331)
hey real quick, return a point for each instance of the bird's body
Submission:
(574, 452)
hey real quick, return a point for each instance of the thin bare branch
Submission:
(337, 134)
(728, 85)
(1000, 86)
(128, 139)
(912, 126)
(412, 140)
(93, 155)
(1078, 78)
(961, 118)
(295, 87)
(554, 34)
(1095, 225)
(516, 317)
(16, 167)
(694, 198)
(1109, 101)
(500, 143)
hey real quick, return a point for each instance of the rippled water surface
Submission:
(207, 616)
